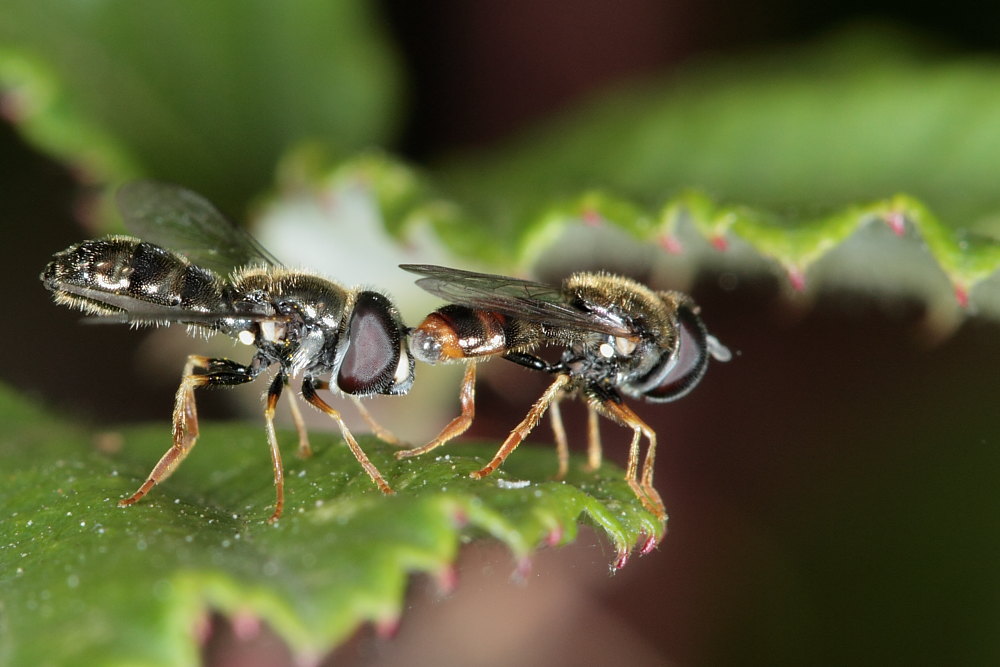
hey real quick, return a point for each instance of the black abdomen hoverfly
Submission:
(617, 337)
(190, 265)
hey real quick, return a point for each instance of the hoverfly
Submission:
(617, 337)
(188, 264)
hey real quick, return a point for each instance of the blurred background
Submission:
(832, 491)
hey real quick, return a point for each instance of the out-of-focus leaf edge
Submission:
(792, 244)
(407, 198)
(692, 224)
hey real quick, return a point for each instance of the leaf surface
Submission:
(85, 581)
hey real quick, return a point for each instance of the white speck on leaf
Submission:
(513, 484)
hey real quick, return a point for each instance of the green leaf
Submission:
(795, 158)
(786, 162)
(895, 247)
(860, 116)
(204, 94)
(87, 582)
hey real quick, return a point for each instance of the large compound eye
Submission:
(372, 361)
(678, 373)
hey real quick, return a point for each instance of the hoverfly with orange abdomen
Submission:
(189, 265)
(618, 337)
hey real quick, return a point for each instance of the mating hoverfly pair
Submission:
(617, 336)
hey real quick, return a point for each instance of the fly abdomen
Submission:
(458, 332)
(122, 275)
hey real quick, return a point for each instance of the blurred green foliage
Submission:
(210, 95)
(792, 152)
(800, 131)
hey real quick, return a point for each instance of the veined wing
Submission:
(513, 297)
(110, 307)
(181, 220)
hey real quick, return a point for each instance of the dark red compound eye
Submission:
(373, 352)
(678, 373)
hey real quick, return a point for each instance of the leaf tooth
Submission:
(961, 295)
(246, 625)
(591, 217)
(446, 580)
(460, 518)
(671, 244)
(387, 628)
(649, 545)
(796, 277)
(522, 570)
(896, 221)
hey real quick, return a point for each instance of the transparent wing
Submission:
(513, 297)
(109, 307)
(146, 314)
(181, 220)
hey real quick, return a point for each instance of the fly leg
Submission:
(612, 408)
(555, 414)
(305, 451)
(562, 443)
(309, 386)
(458, 425)
(594, 453)
(535, 363)
(273, 394)
(522, 430)
(382, 433)
(199, 371)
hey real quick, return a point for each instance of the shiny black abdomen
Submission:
(118, 274)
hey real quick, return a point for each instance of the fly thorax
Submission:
(617, 349)
(273, 331)
(306, 351)
(589, 359)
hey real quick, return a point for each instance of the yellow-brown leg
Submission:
(458, 425)
(522, 430)
(273, 394)
(309, 393)
(643, 488)
(562, 444)
(594, 454)
(305, 451)
(646, 480)
(381, 432)
(185, 417)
